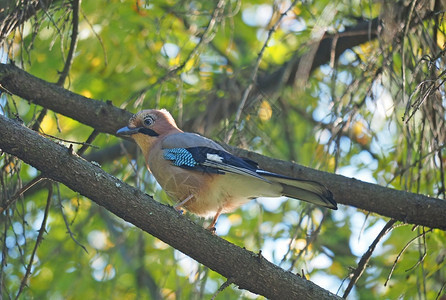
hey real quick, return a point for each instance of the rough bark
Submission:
(246, 269)
(103, 116)
(400, 205)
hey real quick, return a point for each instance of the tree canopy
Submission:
(348, 93)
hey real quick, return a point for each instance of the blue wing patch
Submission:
(180, 157)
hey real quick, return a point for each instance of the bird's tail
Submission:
(306, 190)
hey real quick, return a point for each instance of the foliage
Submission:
(376, 113)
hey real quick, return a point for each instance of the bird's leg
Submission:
(178, 206)
(211, 227)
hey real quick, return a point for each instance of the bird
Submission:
(199, 175)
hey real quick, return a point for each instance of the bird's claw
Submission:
(211, 228)
(179, 210)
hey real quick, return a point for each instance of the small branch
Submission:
(41, 178)
(362, 264)
(11, 20)
(405, 206)
(101, 115)
(205, 39)
(440, 291)
(84, 144)
(309, 240)
(20, 192)
(38, 241)
(73, 44)
(293, 238)
(67, 225)
(253, 78)
(68, 61)
(88, 142)
(401, 253)
(222, 287)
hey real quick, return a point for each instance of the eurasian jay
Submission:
(201, 176)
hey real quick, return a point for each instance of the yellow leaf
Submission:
(9, 167)
(331, 163)
(297, 10)
(95, 62)
(278, 52)
(174, 61)
(360, 134)
(152, 79)
(441, 40)
(235, 219)
(86, 93)
(265, 111)
(358, 128)
(48, 125)
(189, 64)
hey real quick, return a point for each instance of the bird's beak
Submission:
(127, 131)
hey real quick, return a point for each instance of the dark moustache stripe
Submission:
(148, 131)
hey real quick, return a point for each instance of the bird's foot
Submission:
(178, 206)
(178, 209)
(211, 228)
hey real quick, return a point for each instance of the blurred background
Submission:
(348, 87)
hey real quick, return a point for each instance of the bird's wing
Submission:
(188, 140)
(192, 151)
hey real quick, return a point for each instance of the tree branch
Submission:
(400, 205)
(103, 116)
(247, 269)
(362, 264)
(100, 115)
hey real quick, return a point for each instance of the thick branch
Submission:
(400, 205)
(103, 116)
(100, 115)
(248, 270)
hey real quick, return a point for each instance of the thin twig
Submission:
(38, 241)
(101, 42)
(403, 56)
(401, 253)
(20, 192)
(309, 240)
(84, 144)
(67, 225)
(441, 290)
(88, 142)
(252, 80)
(362, 264)
(292, 240)
(222, 287)
(68, 61)
(73, 44)
(206, 38)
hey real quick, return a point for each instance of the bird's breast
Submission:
(180, 183)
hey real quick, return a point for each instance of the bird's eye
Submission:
(148, 121)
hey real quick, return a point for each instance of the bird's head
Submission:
(147, 126)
